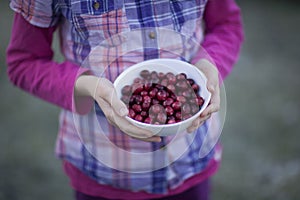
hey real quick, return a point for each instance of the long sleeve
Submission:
(31, 68)
(223, 34)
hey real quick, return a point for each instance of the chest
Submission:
(101, 19)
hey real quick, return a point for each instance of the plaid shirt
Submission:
(107, 36)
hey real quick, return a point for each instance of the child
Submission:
(91, 154)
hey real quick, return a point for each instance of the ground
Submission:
(260, 138)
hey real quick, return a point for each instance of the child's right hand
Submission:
(103, 91)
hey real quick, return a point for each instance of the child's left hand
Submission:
(212, 74)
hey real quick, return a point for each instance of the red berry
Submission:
(162, 95)
(181, 99)
(146, 106)
(145, 74)
(131, 113)
(200, 100)
(156, 109)
(178, 115)
(161, 75)
(190, 81)
(137, 108)
(176, 105)
(195, 87)
(168, 102)
(161, 118)
(148, 120)
(126, 89)
(182, 85)
(147, 99)
(186, 108)
(137, 88)
(171, 121)
(153, 92)
(171, 88)
(169, 110)
(144, 114)
(138, 118)
(144, 93)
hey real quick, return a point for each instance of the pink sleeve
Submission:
(30, 67)
(223, 34)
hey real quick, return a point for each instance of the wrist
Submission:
(85, 85)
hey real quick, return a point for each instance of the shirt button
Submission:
(96, 5)
(152, 35)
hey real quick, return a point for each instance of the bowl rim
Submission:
(159, 60)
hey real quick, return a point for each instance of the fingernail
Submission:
(123, 111)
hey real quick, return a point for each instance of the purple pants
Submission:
(198, 192)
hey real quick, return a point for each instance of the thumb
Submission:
(108, 93)
(118, 105)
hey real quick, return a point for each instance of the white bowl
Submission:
(165, 65)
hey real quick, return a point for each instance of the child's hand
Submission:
(212, 75)
(103, 91)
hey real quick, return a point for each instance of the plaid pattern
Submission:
(94, 35)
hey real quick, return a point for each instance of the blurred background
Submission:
(261, 135)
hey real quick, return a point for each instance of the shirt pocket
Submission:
(97, 21)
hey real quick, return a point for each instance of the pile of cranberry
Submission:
(162, 98)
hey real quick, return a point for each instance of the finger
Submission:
(214, 104)
(197, 123)
(129, 129)
(107, 110)
(108, 93)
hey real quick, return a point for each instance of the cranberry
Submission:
(131, 113)
(126, 90)
(144, 93)
(147, 99)
(156, 109)
(182, 85)
(148, 120)
(146, 106)
(137, 108)
(178, 115)
(169, 110)
(155, 101)
(144, 114)
(195, 87)
(154, 77)
(181, 76)
(164, 82)
(194, 109)
(153, 92)
(161, 75)
(161, 118)
(171, 88)
(125, 99)
(186, 108)
(162, 95)
(186, 116)
(137, 80)
(138, 99)
(137, 88)
(171, 121)
(138, 118)
(200, 100)
(181, 99)
(176, 105)
(145, 74)
(168, 102)
(190, 81)
(187, 94)
(147, 86)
